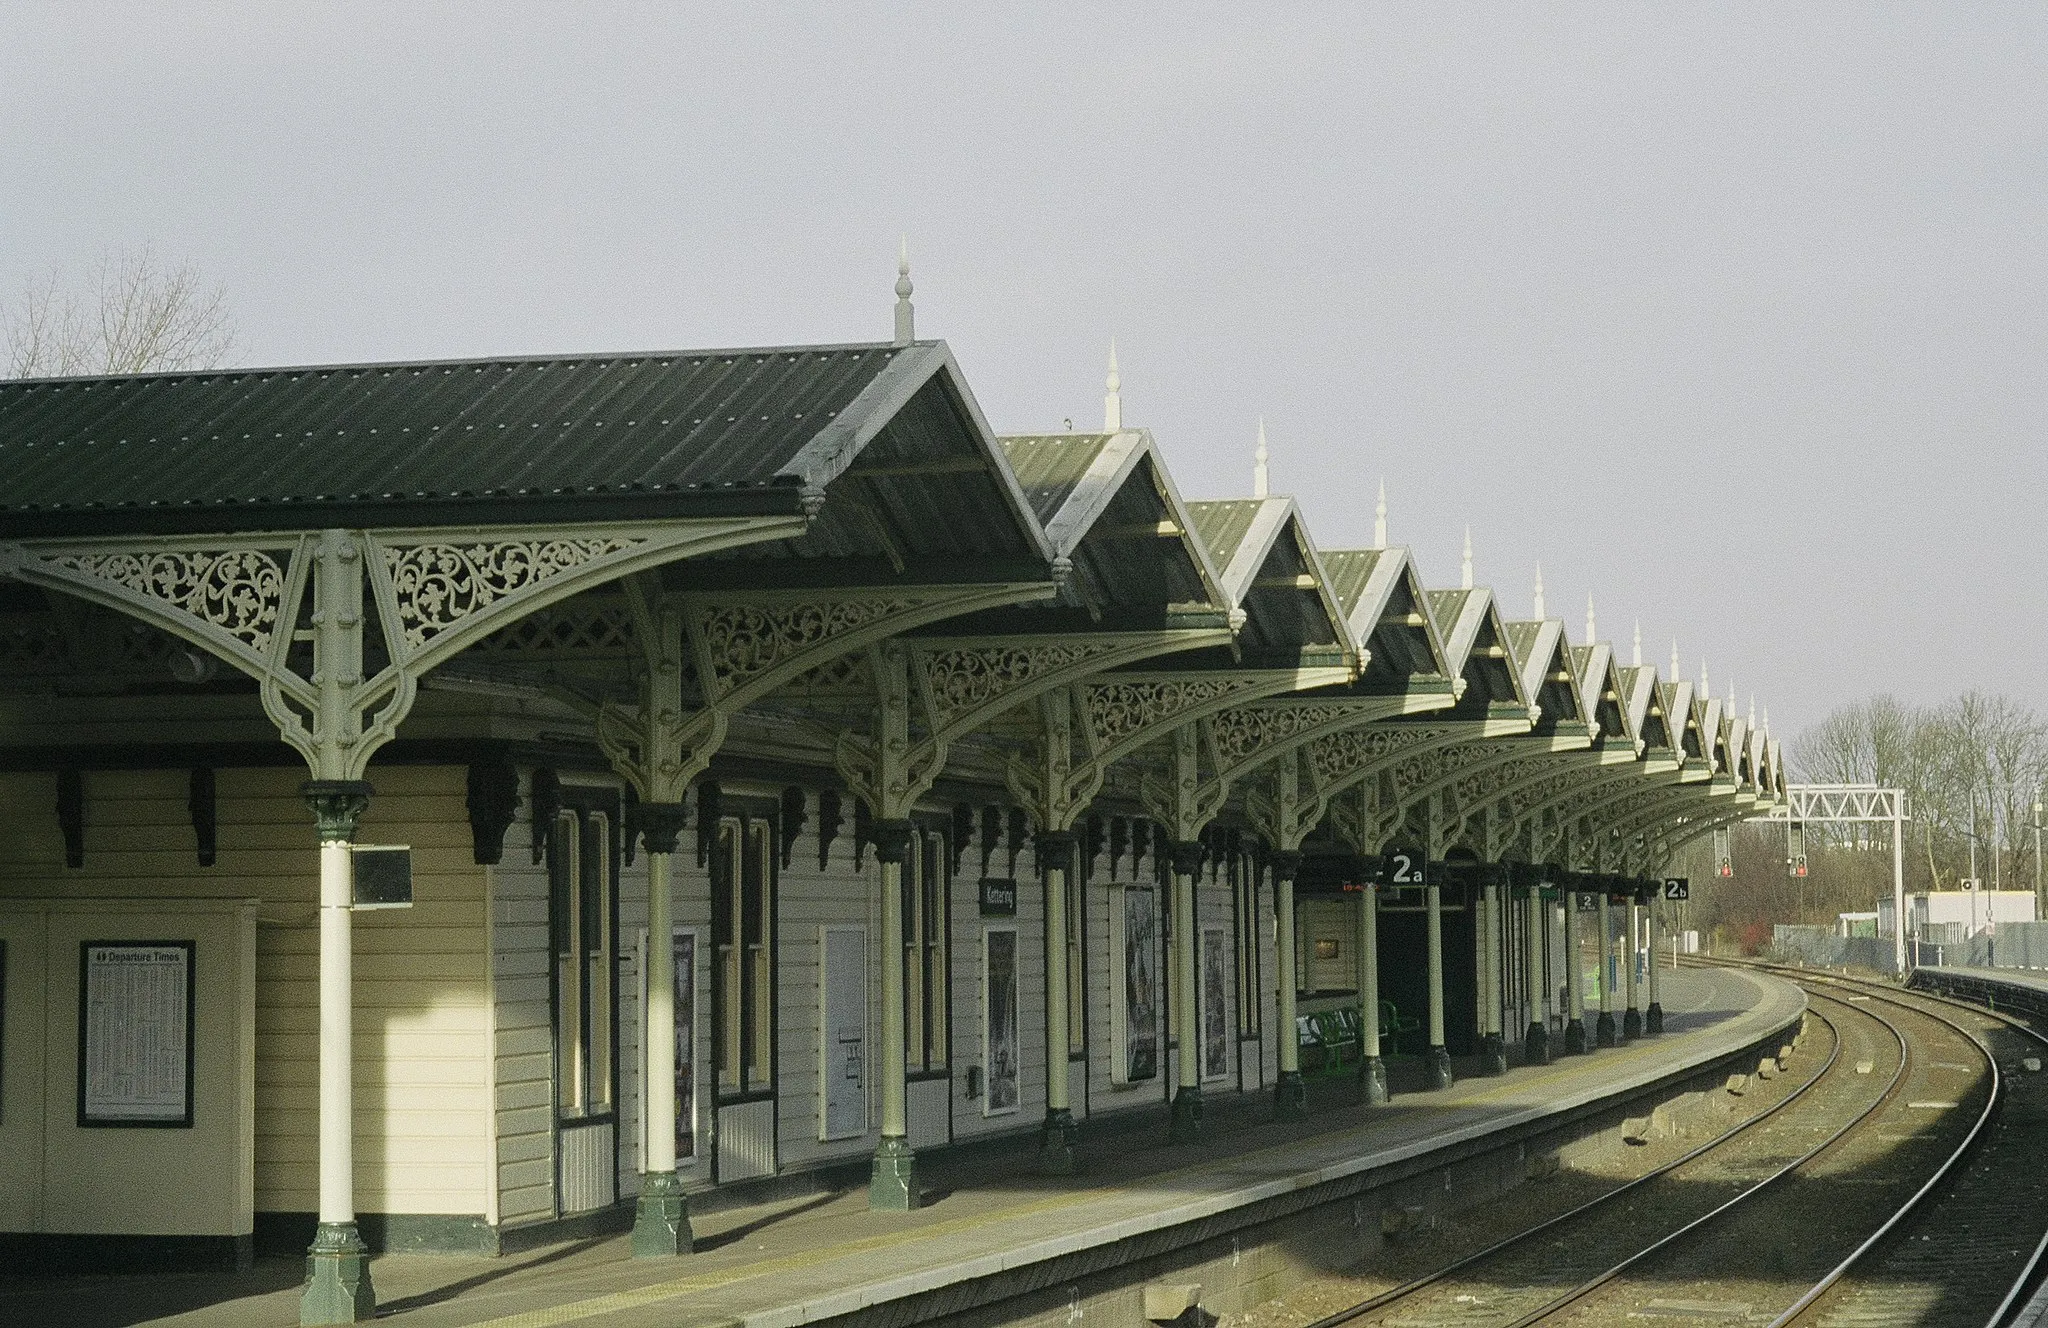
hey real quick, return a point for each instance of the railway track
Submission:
(1905, 1182)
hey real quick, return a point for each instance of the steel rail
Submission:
(1409, 1288)
(1592, 1284)
(2024, 1280)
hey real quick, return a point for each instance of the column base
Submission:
(1290, 1097)
(1440, 1075)
(1056, 1143)
(1575, 1037)
(1186, 1125)
(1653, 1019)
(661, 1218)
(1373, 1074)
(1631, 1024)
(892, 1184)
(1536, 1044)
(1493, 1054)
(338, 1286)
(1603, 1030)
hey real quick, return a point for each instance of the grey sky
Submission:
(1731, 315)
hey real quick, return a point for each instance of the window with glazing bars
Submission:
(927, 891)
(743, 948)
(580, 920)
(1244, 884)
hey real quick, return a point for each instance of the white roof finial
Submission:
(1636, 656)
(906, 330)
(1379, 518)
(1592, 632)
(1676, 672)
(1706, 688)
(1259, 485)
(1767, 719)
(1113, 400)
(1752, 709)
(1537, 608)
(1465, 576)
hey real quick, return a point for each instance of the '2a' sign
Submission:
(1405, 871)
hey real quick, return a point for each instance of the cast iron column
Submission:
(892, 1184)
(1653, 1018)
(1055, 850)
(1603, 1027)
(1371, 1069)
(1536, 1042)
(338, 1288)
(1493, 1052)
(1187, 1100)
(1632, 1020)
(1290, 1095)
(1439, 1057)
(1574, 978)
(661, 1217)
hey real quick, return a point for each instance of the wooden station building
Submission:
(912, 783)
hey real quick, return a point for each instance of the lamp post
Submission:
(2040, 904)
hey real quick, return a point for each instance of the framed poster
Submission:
(1140, 1060)
(843, 1035)
(135, 1009)
(1000, 1052)
(1215, 1005)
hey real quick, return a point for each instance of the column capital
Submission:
(1285, 863)
(661, 824)
(892, 839)
(1188, 855)
(337, 805)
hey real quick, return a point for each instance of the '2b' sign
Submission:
(1677, 887)
(1406, 870)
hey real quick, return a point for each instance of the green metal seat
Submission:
(1394, 1030)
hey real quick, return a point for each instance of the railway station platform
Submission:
(996, 1243)
(2020, 989)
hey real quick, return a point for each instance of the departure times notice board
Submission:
(135, 1010)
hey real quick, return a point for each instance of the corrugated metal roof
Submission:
(1051, 466)
(270, 444)
(1223, 525)
(1350, 570)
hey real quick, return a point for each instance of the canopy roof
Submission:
(558, 438)
(1110, 508)
(1388, 609)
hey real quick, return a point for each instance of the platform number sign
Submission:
(1677, 887)
(1406, 871)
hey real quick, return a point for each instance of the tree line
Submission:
(1974, 769)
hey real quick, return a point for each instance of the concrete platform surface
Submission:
(802, 1260)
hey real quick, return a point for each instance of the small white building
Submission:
(1969, 912)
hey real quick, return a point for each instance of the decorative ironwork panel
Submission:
(1119, 710)
(572, 628)
(748, 640)
(1338, 755)
(438, 585)
(32, 645)
(238, 591)
(1242, 732)
(965, 678)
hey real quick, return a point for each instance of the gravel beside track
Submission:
(1825, 1210)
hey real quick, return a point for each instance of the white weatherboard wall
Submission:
(522, 1031)
(422, 1002)
(57, 1175)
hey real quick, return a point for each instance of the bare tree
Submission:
(135, 315)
